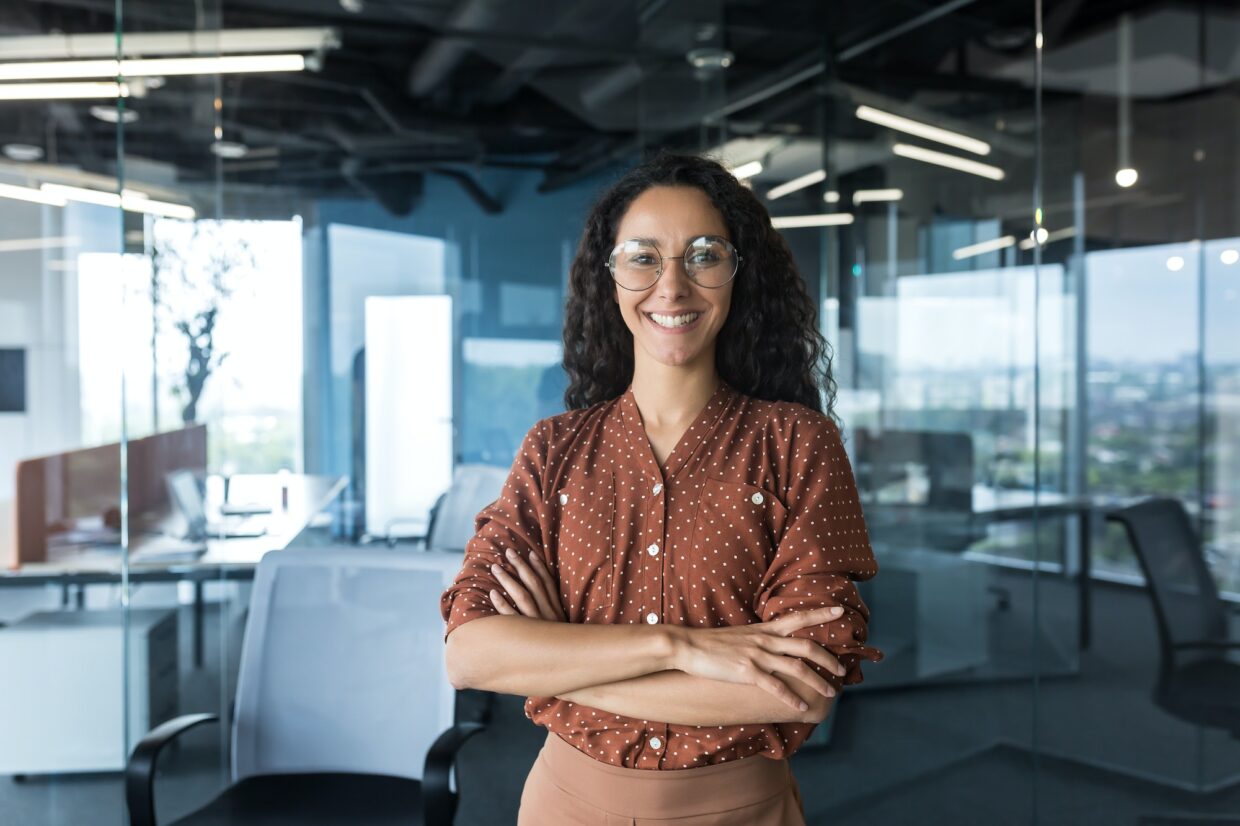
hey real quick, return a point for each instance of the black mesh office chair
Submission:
(1196, 682)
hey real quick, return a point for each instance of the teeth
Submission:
(674, 321)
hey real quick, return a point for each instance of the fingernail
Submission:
(510, 554)
(802, 705)
(837, 610)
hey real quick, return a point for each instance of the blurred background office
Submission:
(287, 276)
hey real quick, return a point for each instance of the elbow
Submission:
(456, 663)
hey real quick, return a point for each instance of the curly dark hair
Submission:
(769, 346)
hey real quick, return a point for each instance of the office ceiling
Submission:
(449, 87)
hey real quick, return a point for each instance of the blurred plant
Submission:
(194, 270)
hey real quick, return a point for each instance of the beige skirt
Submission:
(568, 787)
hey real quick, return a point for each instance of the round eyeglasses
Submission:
(711, 261)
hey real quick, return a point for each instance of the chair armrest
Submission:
(140, 770)
(1206, 644)
(438, 800)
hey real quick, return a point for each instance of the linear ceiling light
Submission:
(827, 219)
(129, 200)
(161, 44)
(862, 196)
(35, 196)
(27, 244)
(1042, 236)
(747, 170)
(984, 247)
(923, 130)
(818, 176)
(919, 153)
(62, 91)
(232, 64)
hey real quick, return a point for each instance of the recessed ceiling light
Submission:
(353, 6)
(23, 151)
(110, 114)
(1229, 256)
(1126, 177)
(229, 149)
(1175, 263)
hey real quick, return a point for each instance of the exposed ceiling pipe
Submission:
(798, 72)
(474, 190)
(441, 57)
(399, 194)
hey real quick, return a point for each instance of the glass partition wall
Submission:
(285, 293)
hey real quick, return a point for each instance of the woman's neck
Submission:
(671, 396)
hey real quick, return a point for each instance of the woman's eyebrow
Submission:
(655, 241)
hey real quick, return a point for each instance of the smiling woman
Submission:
(668, 573)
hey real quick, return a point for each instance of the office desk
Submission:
(156, 558)
(993, 505)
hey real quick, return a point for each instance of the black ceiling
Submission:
(451, 86)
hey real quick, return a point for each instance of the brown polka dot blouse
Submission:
(756, 515)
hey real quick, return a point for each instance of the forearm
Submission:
(535, 658)
(687, 700)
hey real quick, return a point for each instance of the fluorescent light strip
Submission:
(62, 91)
(923, 130)
(129, 200)
(27, 244)
(828, 219)
(233, 64)
(984, 247)
(1059, 234)
(783, 189)
(34, 196)
(919, 153)
(862, 196)
(159, 44)
(747, 170)
(167, 210)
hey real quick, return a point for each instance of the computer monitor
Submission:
(187, 496)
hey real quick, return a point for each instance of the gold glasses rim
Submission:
(611, 261)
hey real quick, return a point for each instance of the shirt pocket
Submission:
(740, 526)
(585, 544)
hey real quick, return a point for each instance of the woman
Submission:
(668, 571)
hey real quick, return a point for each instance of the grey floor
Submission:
(949, 753)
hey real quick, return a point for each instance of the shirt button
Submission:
(655, 743)
(756, 498)
(652, 618)
(658, 486)
(563, 498)
(653, 549)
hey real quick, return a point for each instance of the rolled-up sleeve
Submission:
(515, 520)
(823, 549)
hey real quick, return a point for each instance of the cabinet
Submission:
(62, 688)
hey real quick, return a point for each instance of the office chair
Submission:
(452, 518)
(1196, 683)
(344, 712)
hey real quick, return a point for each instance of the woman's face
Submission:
(673, 216)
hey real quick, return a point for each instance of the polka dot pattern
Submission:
(754, 515)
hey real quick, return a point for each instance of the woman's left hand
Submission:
(535, 595)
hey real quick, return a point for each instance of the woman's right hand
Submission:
(753, 654)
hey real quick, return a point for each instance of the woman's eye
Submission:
(705, 259)
(642, 260)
